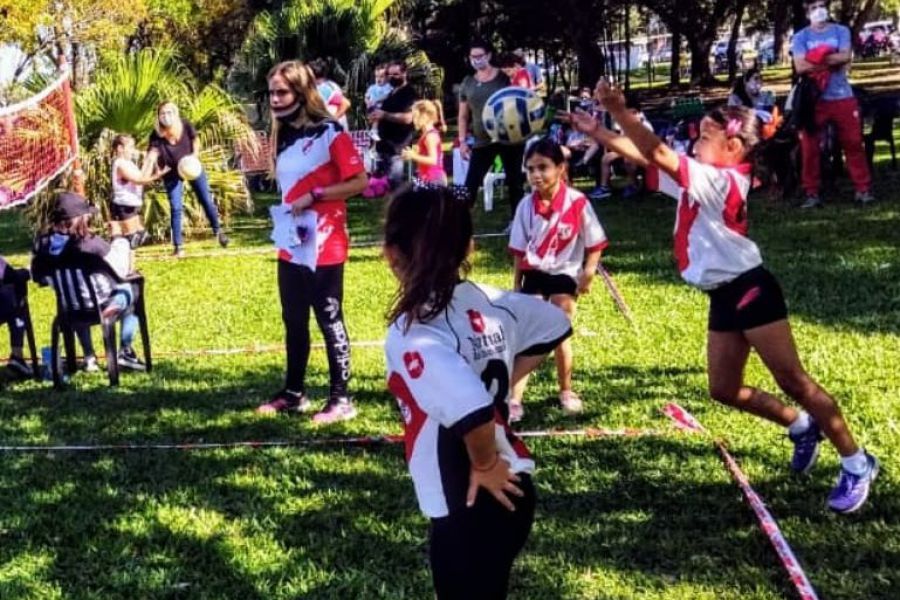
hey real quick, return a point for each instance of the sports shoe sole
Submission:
(875, 469)
(329, 420)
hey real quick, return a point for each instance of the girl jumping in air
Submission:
(453, 350)
(557, 241)
(747, 309)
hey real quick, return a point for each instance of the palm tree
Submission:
(123, 99)
(354, 35)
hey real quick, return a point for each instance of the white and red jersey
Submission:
(711, 243)
(452, 374)
(555, 238)
(318, 156)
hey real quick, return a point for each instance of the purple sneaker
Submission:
(337, 409)
(852, 491)
(806, 448)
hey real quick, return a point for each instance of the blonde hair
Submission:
(302, 82)
(176, 128)
(429, 110)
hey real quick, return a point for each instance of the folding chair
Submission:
(77, 305)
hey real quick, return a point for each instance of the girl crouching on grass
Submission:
(557, 240)
(747, 310)
(453, 350)
(428, 156)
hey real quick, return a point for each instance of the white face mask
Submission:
(753, 87)
(166, 120)
(818, 15)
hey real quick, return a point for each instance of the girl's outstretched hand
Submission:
(612, 97)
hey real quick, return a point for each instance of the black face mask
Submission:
(291, 116)
(396, 81)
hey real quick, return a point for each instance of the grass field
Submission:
(650, 518)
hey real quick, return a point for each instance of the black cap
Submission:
(70, 205)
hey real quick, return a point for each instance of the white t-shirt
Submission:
(452, 374)
(125, 193)
(711, 243)
(555, 240)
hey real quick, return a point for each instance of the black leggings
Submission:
(323, 290)
(472, 550)
(482, 160)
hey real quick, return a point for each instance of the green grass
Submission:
(649, 518)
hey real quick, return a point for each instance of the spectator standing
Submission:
(335, 101)
(823, 52)
(395, 124)
(473, 95)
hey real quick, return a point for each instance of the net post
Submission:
(77, 183)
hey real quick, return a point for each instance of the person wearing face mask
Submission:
(823, 51)
(173, 139)
(474, 92)
(317, 168)
(747, 90)
(394, 120)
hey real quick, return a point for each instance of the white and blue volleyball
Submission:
(513, 114)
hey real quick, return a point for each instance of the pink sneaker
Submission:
(516, 411)
(336, 410)
(570, 402)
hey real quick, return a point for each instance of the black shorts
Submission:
(119, 212)
(538, 283)
(473, 549)
(751, 300)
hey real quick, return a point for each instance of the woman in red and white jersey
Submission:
(454, 350)
(747, 309)
(317, 168)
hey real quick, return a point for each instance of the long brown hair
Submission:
(429, 232)
(302, 82)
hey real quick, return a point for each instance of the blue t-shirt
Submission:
(834, 35)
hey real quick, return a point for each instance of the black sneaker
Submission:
(223, 239)
(18, 366)
(285, 401)
(128, 360)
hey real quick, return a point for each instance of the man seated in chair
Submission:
(70, 233)
(12, 292)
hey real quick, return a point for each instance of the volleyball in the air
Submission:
(189, 167)
(513, 114)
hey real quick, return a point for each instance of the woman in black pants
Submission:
(317, 168)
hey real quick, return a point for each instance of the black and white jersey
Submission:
(453, 374)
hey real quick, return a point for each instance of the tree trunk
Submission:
(781, 23)
(675, 72)
(800, 19)
(627, 46)
(700, 46)
(732, 42)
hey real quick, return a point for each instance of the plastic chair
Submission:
(77, 305)
(883, 115)
(21, 293)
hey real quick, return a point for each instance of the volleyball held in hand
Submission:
(513, 114)
(189, 167)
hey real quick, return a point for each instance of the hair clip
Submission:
(733, 128)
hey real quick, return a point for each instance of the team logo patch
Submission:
(476, 321)
(415, 366)
(565, 231)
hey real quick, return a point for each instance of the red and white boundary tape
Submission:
(685, 421)
(365, 440)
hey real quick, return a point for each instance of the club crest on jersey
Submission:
(476, 321)
(565, 231)
(415, 365)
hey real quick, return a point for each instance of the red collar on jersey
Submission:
(555, 205)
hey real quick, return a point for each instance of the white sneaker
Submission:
(89, 365)
(570, 402)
